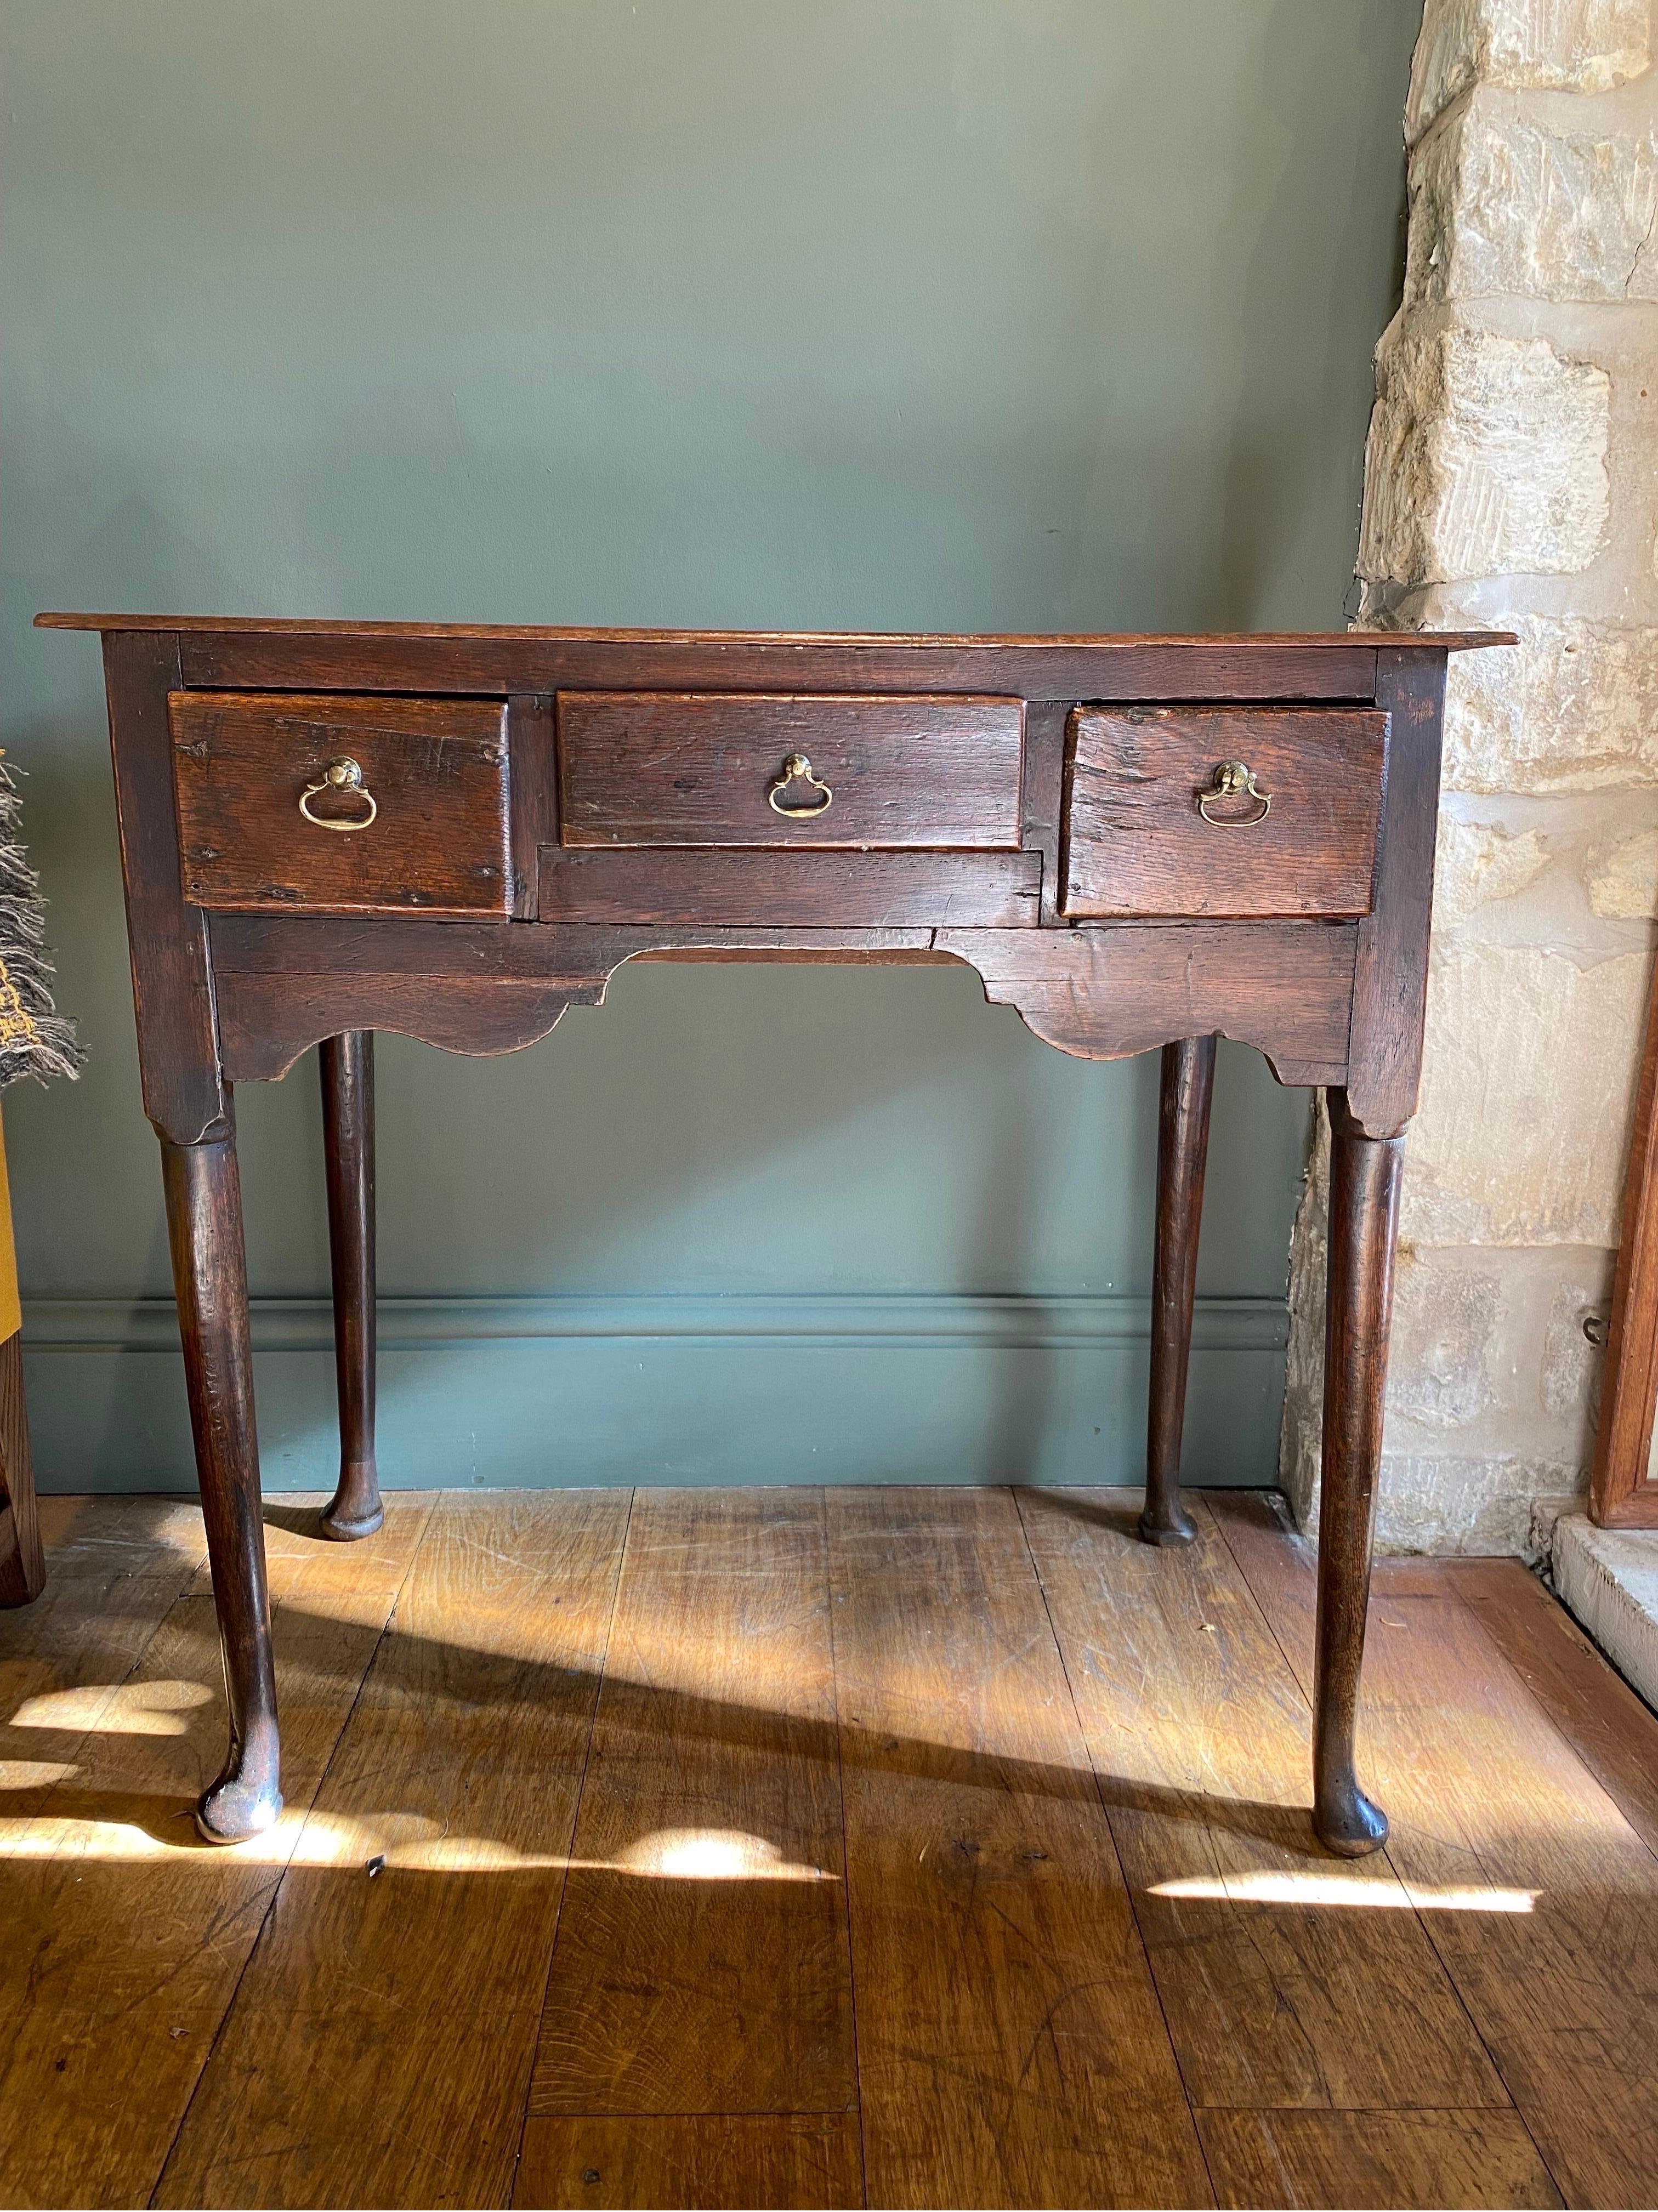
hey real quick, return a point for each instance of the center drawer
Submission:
(870, 773)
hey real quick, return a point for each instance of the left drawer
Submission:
(342, 806)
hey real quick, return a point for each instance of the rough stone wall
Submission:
(1512, 482)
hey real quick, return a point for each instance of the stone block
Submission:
(1499, 206)
(1487, 456)
(1577, 45)
(1527, 1088)
(1622, 878)
(1573, 706)
(1473, 1506)
(1478, 864)
(1444, 1337)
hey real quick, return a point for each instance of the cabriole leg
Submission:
(348, 1128)
(209, 1277)
(1189, 1084)
(1364, 1174)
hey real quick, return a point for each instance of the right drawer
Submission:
(1225, 812)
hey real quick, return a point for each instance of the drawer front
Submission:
(659, 767)
(415, 820)
(1211, 811)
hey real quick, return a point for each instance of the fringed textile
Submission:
(36, 1039)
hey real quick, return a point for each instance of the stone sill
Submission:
(1608, 1580)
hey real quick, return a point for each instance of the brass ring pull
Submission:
(1233, 778)
(341, 774)
(797, 768)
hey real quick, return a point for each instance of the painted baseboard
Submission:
(572, 1391)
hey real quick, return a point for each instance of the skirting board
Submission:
(573, 1392)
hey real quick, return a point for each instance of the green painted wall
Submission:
(883, 314)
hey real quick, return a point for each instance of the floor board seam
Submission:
(1473, 1605)
(846, 1852)
(524, 2114)
(1455, 1987)
(265, 1917)
(1111, 1834)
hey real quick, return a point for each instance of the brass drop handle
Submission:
(343, 775)
(797, 768)
(1233, 778)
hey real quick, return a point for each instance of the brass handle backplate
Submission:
(1234, 780)
(343, 775)
(797, 768)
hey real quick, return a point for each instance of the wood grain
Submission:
(533, 796)
(436, 768)
(1610, 1729)
(1044, 774)
(1390, 987)
(23, 1563)
(1285, 987)
(1185, 1095)
(346, 1065)
(347, 627)
(683, 1992)
(202, 1186)
(1135, 842)
(118, 1566)
(218, 657)
(395, 2013)
(1011, 2046)
(1489, 1800)
(1005, 2057)
(692, 2159)
(657, 767)
(172, 984)
(135, 1933)
(1198, 1734)
(571, 955)
(993, 891)
(1363, 2159)
(266, 1021)
(1364, 1225)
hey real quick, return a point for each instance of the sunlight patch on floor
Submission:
(1296, 1886)
(32, 1773)
(410, 1842)
(162, 1708)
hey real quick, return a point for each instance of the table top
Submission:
(1441, 640)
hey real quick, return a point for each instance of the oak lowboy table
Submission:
(332, 827)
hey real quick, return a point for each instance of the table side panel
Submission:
(172, 974)
(1390, 991)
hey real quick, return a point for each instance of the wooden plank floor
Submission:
(800, 1848)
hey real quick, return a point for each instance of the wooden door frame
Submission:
(1622, 1495)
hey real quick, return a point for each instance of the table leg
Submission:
(1364, 1176)
(1188, 1083)
(348, 1128)
(22, 1562)
(209, 1277)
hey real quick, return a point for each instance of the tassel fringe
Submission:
(36, 1039)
